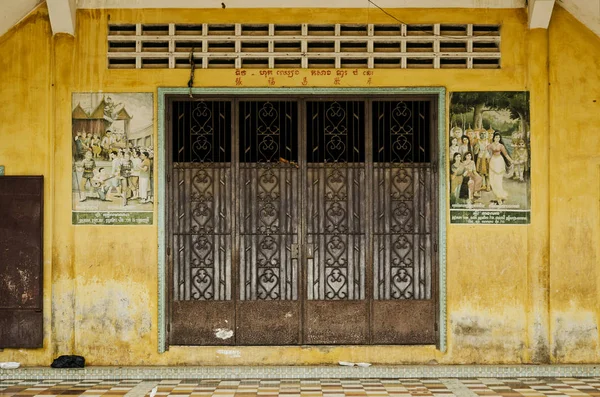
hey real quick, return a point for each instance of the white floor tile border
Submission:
(304, 372)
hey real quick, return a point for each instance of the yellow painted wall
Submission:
(101, 282)
(26, 136)
(574, 190)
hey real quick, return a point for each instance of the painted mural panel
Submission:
(489, 158)
(113, 156)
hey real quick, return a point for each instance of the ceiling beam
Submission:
(301, 4)
(540, 12)
(62, 15)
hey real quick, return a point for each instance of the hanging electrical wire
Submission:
(192, 71)
(429, 33)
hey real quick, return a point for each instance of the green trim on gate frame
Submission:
(442, 193)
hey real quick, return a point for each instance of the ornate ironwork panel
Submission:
(269, 200)
(201, 223)
(336, 200)
(287, 216)
(403, 206)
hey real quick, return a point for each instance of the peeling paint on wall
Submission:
(63, 301)
(115, 311)
(482, 336)
(223, 333)
(575, 336)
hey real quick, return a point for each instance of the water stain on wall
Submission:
(575, 337)
(115, 311)
(485, 337)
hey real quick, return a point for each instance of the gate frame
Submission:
(160, 158)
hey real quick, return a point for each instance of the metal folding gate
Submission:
(301, 220)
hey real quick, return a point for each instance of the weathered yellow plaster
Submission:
(101, 282)
(25, 107)
(574, 190)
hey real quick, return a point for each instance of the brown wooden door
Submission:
(302, 221)
(21, 265)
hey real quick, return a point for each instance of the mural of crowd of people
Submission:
(113, 158)
(489, 157)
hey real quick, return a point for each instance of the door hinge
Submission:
(168, 251)
(435, 167)
(168, 177)
(169, 327)
(436, 326)
(434, 247)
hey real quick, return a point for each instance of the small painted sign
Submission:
(1, 170)
(303, 78)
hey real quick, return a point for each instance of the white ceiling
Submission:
(586, 11)
(12, 11)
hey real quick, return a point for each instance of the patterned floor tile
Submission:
(55, 388)
(532, 387)
(473, 387)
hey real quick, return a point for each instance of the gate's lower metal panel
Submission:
(336, 322)
(202, 323)
(268, 323)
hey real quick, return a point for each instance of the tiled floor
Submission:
(50, 388)
(305, 388)
(531, 387)
(475, 387)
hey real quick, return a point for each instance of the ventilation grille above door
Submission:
(266, 46)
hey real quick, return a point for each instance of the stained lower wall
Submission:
(516, 294)
(574, 191)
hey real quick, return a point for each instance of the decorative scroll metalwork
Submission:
(202, 208)
(332, 199)
(269, 201)
(404, 209)
(336, 201)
